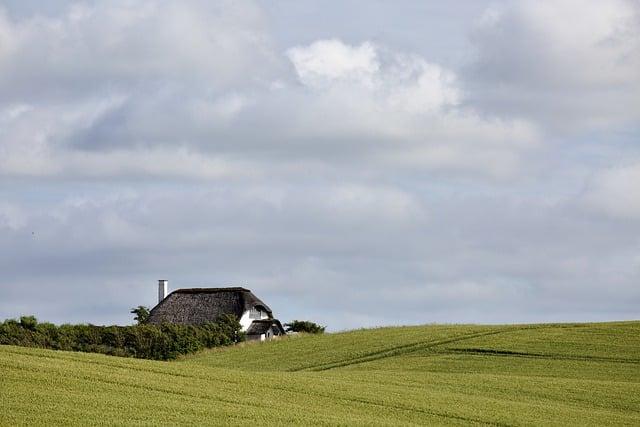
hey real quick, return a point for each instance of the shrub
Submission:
(304, 326)
(28, 322)
(161, 342)
(142, 314)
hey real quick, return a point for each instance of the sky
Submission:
(354, 163)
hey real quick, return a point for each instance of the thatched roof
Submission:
(259, 327)
(200, 305)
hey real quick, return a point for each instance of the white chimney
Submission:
(162, 289)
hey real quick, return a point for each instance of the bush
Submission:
(160, 342)
(304, 326)
(142, 314)
(28, 322)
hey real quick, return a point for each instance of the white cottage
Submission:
(195, 306)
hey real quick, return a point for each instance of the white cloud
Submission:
(327, 61)
(402, 83)
(616, 192)
(405, 108)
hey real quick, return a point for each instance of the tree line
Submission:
(145, 341)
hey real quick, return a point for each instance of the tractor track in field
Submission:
(399, 350)
(422, 345)
(510, 353)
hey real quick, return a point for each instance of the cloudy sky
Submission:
(356, 163)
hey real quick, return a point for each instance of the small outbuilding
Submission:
(261, 330)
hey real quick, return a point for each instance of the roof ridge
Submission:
(211, 290)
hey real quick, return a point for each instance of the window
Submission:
(254, 313)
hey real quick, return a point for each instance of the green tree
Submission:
(304, 326)
(28, 322)
(142, 314)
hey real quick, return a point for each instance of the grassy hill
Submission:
(563, 374)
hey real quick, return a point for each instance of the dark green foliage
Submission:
(163, 342)
(142, 314)
(28, 322)
(304, 326)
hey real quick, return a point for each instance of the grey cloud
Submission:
(572, 66)
(614, 192)
(397, 110)
(96, 48)
(394, 262)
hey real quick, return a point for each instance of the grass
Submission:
(564, 374)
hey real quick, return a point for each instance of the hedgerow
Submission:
(145, 341)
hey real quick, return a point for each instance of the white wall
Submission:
(245, 321)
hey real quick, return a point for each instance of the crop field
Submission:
(555, 374)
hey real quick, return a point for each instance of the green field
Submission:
(561, 374)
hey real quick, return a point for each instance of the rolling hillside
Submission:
(565, 374)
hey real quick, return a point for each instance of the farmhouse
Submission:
(200, 305)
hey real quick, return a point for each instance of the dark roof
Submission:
(259, 327)
(201, 305)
